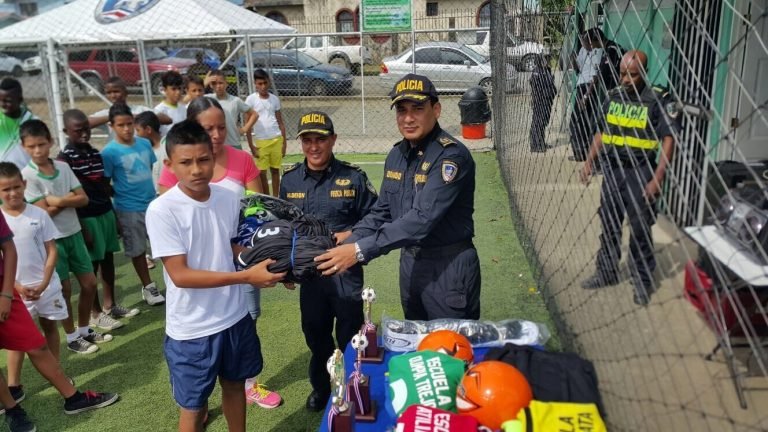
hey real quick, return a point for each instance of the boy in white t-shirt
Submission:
(171, 105)
(116, 92)
(268, 132)
(210, 334)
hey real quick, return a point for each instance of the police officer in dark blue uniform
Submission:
(339, 194)
(425, 209)
(637, 120)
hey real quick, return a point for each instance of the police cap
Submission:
(415, 88)
(315, 122)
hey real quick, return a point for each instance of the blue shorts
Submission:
(253, 298)
(233, 354)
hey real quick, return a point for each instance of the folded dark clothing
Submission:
(267, 208)
(293, 246)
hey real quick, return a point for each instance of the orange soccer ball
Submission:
(493, 392)
(448, 342)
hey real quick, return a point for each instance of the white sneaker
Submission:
(151, 295)
(105, 322)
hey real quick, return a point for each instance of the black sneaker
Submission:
(17, 392)
(599, 281)
(642, 293)
(89, 400)
(17, 421)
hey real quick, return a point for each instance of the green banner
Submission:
(381, 16)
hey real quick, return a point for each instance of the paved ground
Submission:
(650, 361)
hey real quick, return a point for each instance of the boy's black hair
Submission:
(186, 132)
(189, 79)
(11, 84)
(260, 74)
(10, 170)
(73, 115)
(119, 109)
(172, 79)
(148, 118)
(201, 104)
(34, 128)
(217, 72)
(116, 81)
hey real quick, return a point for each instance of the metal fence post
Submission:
(146, 85)
(56, 90)
(249, 64)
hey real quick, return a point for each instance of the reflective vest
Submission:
(631, 123)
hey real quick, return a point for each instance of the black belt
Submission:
(438, 251)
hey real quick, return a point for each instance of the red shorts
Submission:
(19, 332)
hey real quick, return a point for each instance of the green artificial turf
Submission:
(133, 364)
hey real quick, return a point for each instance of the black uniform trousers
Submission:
(582, 123)
(622, 193)
(441, 282)
(541, 110)
(320, 304)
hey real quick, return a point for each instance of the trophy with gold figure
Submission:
(359, 385)
(341, 417)
(373, 352)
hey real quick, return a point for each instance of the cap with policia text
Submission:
(412, 87)
(315, 122)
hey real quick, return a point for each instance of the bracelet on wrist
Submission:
(6, 295)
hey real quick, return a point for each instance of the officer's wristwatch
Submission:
(358, 253)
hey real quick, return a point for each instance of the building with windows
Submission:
(344, 15)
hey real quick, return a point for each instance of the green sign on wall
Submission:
(382, 16)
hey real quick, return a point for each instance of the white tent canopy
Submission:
(84, 21)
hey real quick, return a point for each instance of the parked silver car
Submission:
(10, 65)
(452, 67)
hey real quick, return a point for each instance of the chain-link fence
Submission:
(677, 329)
(346, 74)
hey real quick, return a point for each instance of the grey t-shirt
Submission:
(233, 107)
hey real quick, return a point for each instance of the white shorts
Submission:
(50, 305)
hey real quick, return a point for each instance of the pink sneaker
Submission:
(256, 393)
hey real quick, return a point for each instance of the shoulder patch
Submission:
(292, 167)
(449, 170)
(446, 141)
(351, 165)
(616, 90)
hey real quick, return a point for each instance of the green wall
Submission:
(640, 25)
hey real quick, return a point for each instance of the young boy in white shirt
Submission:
(210, 333)
(171, 105)
(268, 132)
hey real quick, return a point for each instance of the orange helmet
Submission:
(493, 392)
(448, 342)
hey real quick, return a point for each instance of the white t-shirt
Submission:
(135, 110)
(31, 229)
(160, 155)
(179, 225)
(266, 126)
(589, 64)
(176, 113)
(60, 184)
(233, 107)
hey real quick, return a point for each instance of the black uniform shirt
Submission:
(340, 196)
(427, 197)
(644, 119)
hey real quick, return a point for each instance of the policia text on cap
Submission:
(635, 117)
(425, 207)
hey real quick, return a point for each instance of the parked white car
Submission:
(32, 65)
(330, 50)
(519, 52)
(452, 67)
(10, 65)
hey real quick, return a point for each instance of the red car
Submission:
(96, 66)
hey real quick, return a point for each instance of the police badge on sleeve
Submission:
(449, 171)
